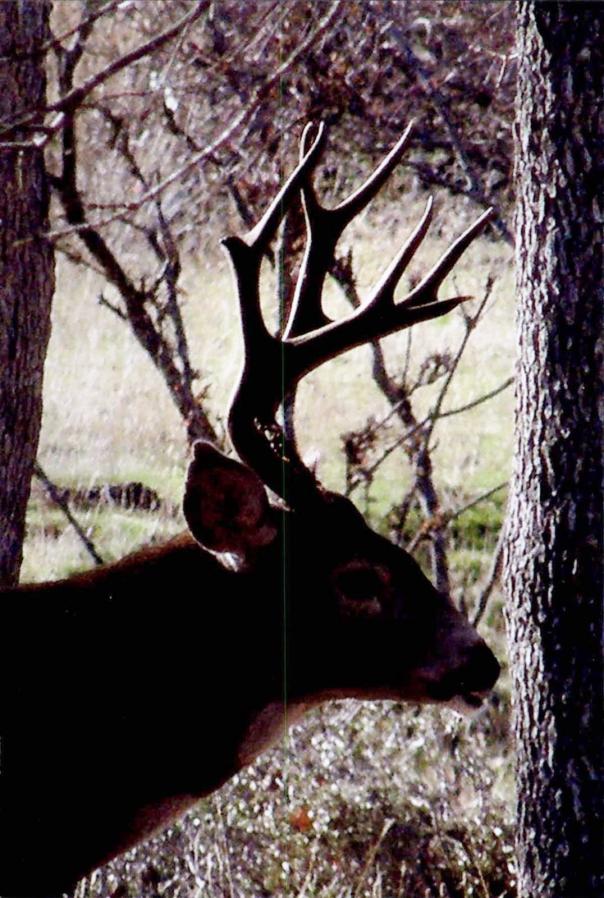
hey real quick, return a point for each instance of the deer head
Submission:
(343, 585)
(267, 607)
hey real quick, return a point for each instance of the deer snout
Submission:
(477, 672)
(470, 677)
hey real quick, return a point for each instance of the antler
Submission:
(272, 366)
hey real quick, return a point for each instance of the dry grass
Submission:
(370, 801)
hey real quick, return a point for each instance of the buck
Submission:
(132, 690)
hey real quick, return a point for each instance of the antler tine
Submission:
(306, 312)
(246, 252)
(350, 207)
(384, 290)
(380, 316)
(262, 233)
(324, 228)
(426, 290)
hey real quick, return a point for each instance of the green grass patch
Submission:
(477, 528)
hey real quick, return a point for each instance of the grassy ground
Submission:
(360, 800)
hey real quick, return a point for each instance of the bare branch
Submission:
(417, 69)
(55, 495)
(492, 579)
(484, 398)
(416, 449)
(75, 97)
(208, 153)
(56, 42)
(148, 333)
(471, 323)
(476, 501)
(445, 518)
(112, 308)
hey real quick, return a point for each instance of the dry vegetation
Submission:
(361, 800)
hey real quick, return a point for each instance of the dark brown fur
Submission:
(134, 689)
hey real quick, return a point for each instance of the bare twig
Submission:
(416, 448)
(236, 123)
(135, 298)
(470, 321)
(474, 402)
(112, 308)
(445, 518)
(71, 100)
(402, 511)
(416, 68)
(492, 579)
(432, 416)
(476, 501)
(371, 856)
(54, 494)
(56, 42)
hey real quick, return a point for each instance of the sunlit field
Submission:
(359, 800)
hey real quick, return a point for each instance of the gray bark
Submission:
(553, 563)
(27, 274)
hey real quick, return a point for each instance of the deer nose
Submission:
(475, 673)
(481, 670)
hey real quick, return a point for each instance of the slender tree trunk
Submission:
(554, 553)
(26, 274)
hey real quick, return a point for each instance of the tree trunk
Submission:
(27, 274)
(554, 551)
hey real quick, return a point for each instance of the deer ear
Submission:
(225, 504)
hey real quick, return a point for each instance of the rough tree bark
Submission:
(554, 550)
(27, 273)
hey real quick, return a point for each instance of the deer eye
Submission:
(360, 583)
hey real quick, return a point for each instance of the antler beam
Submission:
(272, 366)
